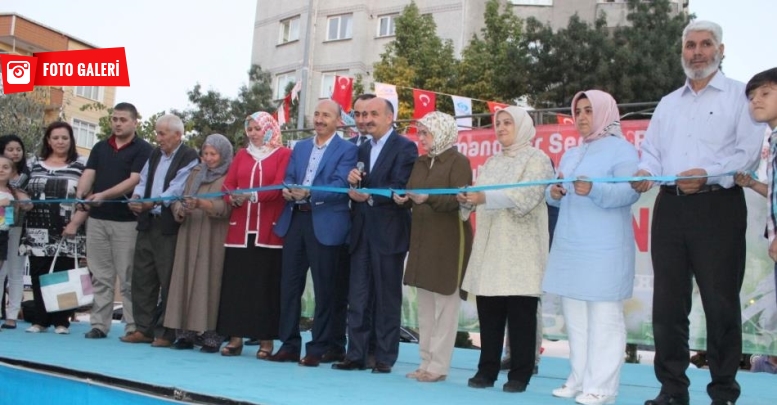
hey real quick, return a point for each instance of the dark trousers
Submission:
(38, 267)
(340, 310)
(374, 303)
(151, 270)
(520, 314)
(703, 237)
(301, 250)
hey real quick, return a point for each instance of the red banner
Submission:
(342, 92)
(479, 144)
(92, 67)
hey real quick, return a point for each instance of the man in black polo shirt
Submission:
(112, 172)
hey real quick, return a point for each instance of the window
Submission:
(90, 92)
(328, 83)
(289, 30)
(339, 27)
(85, 133)
(281, 82)
(532, 2)
(386, 27)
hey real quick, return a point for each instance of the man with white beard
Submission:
(702, 129)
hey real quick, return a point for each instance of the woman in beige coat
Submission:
(195, 283)
(510, 250)
(440, 243)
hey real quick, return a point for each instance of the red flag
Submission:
(282, 113)
(424, 103)
(493, 106)
(342, 92)
(563, 119)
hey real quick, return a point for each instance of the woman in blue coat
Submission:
(591, 263)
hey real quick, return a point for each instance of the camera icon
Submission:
(18, 72)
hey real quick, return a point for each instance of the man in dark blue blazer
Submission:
(314, 226)
(379, 242)
(337, 351)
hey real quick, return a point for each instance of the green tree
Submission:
(23, 114)
(417, 58)
(575, 58)
(493, 66)
(145, 128)
(215, 113)
(647, 60)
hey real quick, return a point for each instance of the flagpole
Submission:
(305, 70)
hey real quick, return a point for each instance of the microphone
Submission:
(360, 168)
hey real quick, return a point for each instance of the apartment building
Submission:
(321, 39)
(23, 36)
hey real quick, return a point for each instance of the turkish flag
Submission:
(424, 103)
(342, 92)
(563, 119)
(493, 106)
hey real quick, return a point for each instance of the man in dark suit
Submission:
(164, 175)
(314, 226)
(379, 242)
(337, 351)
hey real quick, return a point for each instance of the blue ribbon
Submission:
(388, 192)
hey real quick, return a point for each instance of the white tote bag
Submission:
(64, 290)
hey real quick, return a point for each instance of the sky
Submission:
(173, 44)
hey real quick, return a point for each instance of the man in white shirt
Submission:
(702, 129)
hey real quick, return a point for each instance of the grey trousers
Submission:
(110, 248)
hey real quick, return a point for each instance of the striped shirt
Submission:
(771, 169)
(45, 222)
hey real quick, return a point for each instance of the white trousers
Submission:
(438, 322)
(597, 343)
(13, 268)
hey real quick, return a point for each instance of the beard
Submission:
(703, 72)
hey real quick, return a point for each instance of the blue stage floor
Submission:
(247, 380)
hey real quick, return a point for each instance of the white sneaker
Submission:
(62, 330)
(566, 392)
(36, 329)
(594, 399)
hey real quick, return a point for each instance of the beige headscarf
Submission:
(524, 129)
(606, 118)
(444, 130)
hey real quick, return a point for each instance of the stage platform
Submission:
(67, 369)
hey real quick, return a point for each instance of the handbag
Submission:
(64, 290)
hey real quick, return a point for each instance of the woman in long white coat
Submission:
(510, 250)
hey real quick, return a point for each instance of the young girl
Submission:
(12, 147)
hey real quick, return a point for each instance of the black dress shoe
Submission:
(7, 326)
(722, 402)
(284, 356)
(348, 365)
(665, 399)
(209, 349)
(183, 344)
(332, 356)
(95, 334)
(480, 382)
(310, 361)
(514, 386)
(381, 368)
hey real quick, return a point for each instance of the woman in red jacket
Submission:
(250, 291)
